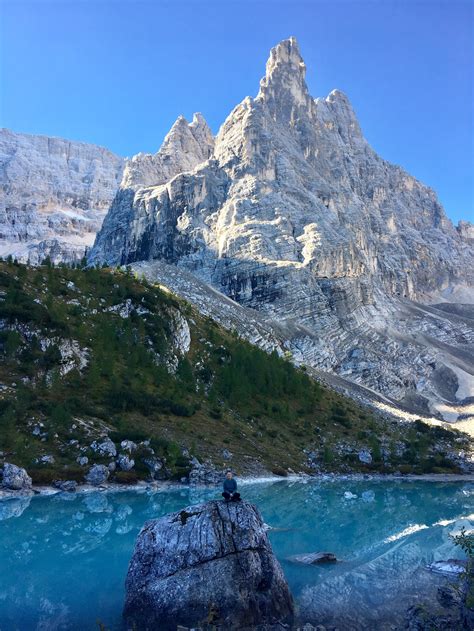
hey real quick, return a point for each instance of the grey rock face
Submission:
(295, 216)
(54, 194)
(98, 474)
(205, 474)
(15, 478)
(128, 445)
(211, 562)
(125, 463)
(185, 147)
(154, 464)
(365, 456)
(104, 448)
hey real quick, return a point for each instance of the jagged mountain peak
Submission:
(202, 132)
(182, 133)
(336, 110)
(199, 121)
(185, 146)
(297, 216)
(285, 58)
(284, 85)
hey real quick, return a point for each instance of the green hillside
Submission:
(86, 353)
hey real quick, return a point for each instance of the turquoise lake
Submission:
(64, 558)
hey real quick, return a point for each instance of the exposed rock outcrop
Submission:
(210, 563)
(296, 216)
(15, 478)
(203, 474)
(97, 475)
(54, 194)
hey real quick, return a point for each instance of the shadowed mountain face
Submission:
(290, 212)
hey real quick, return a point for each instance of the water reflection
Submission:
(64, 558)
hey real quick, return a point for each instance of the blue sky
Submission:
(119, 72)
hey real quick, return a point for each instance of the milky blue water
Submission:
(63, 558)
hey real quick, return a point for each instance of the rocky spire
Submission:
(185, 146)
(203, 134)
(284, 89)
(336, 111)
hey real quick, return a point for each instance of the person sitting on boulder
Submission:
(230, 488)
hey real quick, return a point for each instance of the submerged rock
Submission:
(211, 563)
(15, 478)
(69, 486)
(348, 495)
(449, 568)
(14, 507)
(313, 558)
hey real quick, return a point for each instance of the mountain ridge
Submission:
(296, 216)
(290, 212)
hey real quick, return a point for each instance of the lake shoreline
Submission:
(143, 486)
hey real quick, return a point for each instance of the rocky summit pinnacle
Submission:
(185, 146)
(284, 80)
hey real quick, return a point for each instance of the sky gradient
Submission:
(118, 72)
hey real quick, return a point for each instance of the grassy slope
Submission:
(225, 393)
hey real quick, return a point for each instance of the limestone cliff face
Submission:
(54, 194)
(186, 146)
(292, 213)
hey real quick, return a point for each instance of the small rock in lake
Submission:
(69, 486)
(313, 558)
(450, 567)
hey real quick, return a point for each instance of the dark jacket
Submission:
(230, 485)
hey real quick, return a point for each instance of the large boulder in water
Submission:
(207, 564)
